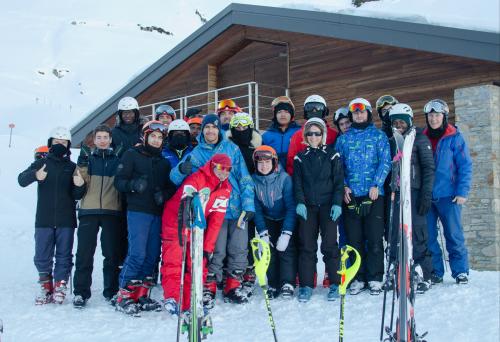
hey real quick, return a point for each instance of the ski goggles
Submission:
(358, 107)
(314, 106)
(386, 100)
(243, 121)
(156, 126)
(341, 113)
(263, 155)
(227, 105)
(315, 134)
(40, 155)
(437, 106)
(221, 167)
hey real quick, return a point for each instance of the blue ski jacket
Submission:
(280, 140)
(366, 157)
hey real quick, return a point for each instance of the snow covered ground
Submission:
(449, 312)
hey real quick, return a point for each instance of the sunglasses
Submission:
(314, 106)
(436, 106)
(220, 167)
(357, 107)
(315, 134)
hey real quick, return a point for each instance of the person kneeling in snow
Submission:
(143, 176)
(212, 184)
(55, 223)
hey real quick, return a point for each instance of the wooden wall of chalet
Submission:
(337, 69)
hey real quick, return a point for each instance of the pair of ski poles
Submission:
(262, 257)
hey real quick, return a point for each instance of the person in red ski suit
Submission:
(213, 176)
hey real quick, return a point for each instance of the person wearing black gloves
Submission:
(127, 132)
(318, 182)
(142, 176)
(58, 190)
(100, 207)
(422, 181)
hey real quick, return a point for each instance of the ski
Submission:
(346, 275)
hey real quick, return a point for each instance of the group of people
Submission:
(287, 185)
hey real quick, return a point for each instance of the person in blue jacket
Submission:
(233, 236)
(283, 126)
(451, 187)
(178, 142)
(275, 219)
(366, 155)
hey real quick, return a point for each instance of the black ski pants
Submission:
(114, 250)
(421, 254)
(282, 267)
(365, 234)
(318, 221)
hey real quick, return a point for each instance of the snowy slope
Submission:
(449, 312)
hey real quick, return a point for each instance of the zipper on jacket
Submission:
(102, 178)
(55, 200)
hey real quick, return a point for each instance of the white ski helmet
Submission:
(60, 133)
(403, 112)
(128, 103)
(178, 125)
(315, 98)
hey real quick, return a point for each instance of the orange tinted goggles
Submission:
(221, 167)
(357, 107)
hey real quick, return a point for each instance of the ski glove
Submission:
(186, 167)
(335, 212)
(159, 199)
(364, 207)
(424, 205)
(283, 241)
(301, 210)
(264, 236)
(83, 158)
(140, 184)
(208, 256)
(244, 218)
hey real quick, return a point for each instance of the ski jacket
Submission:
(138, 163)
(366, 157)
(274, 200)
(453, 165)
(247, 150)
(242, 194)
(101, 197)
(206, 183)
(173, 157)
(56, 194)
(126, 136)
(280, 140)
(422, 163)
(318, 178)
(297, 145)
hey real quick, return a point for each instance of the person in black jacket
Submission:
(318, 181)
(143, 176)
(422, 182)
(127, 132)
(100, 207)
(55, 221)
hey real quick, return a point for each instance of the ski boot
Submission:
(146, 303)
(209, 291)
(375, 287)
(357, 287)
(79, 302)
(127, 298)
(272, 293)
(233, 291)
(60, 290)
(171, 306)
(435, 279)
(333, 293)
(305, 294)
(326, 281)
(462, 279)
(423, 286)
(249, 280)
(46, 290)
(287, 291)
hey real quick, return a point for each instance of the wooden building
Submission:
(304, 52)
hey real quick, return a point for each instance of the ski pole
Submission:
(346, 275)
(440, 232)
(183, 236)
(262, 257)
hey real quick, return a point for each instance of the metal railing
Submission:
(248, 94)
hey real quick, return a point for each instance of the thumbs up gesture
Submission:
(186, 167)
(78, 179)
(41, 174)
